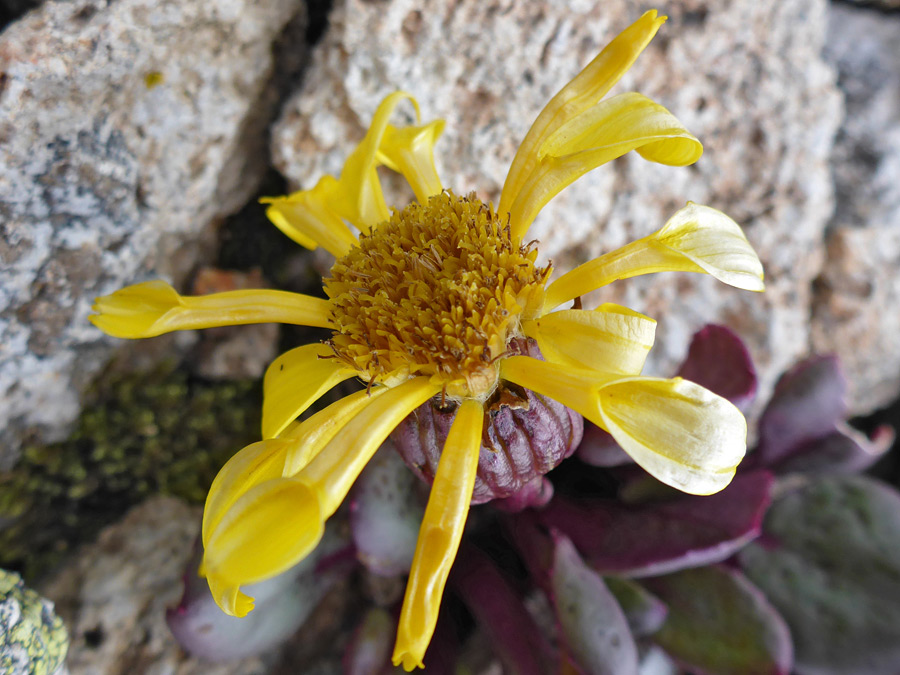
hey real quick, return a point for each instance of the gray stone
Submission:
(746, 78)
(113, 596)
(127, 131)
(857, 296)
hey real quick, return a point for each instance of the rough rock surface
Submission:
(127, 130)
(855, 313)
(746, 78)
(114, 594)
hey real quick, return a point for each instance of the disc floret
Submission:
(438, 290)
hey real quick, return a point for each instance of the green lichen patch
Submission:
(161, 432)
(33, 638)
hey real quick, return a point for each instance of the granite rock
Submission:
(113, 596)
(854, 314)
(127, 131)
(747, 78)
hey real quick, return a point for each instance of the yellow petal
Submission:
(439, 536)
(608, 130)
(679, 432)
(255, 464)
(339, 463)
(588, 87)
(696, 239)
(268, 530)
(295, 380)
(307, 438)
(154, 307)
(307, 218)
(611, 339)
(410, 151)
(358, 196)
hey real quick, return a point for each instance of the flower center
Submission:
(437, 290)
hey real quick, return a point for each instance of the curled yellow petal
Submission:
(357, 195)
(679, 432)
(294, 381)
(696, 239)
(588, 87)
(307, 218)
(339, 463)
(611, 339)
(682, 434)
(307, 438)
(255, 464)
(608, 130)
(410, 151)
(153, 307)
(439, 536)
(268, 530)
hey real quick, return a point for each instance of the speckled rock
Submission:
(746, 77)
(855, 313)
(127, 131)
(114, 594)
(33, 638)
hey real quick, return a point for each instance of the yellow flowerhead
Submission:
(424, 301)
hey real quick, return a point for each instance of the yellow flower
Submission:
(423, 301)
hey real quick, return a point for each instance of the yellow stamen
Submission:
(154, 307)
(439, 536)
(439, 290)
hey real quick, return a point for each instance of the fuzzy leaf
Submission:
(644, 612)
(593, 625)
(720, 624)
(369, 650)
(718, 360)
(661, 537)
(385, 514)
(807, 404)
(829, 562)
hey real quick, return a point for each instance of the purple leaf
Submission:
(599, 448)
(592, 624)
(385, 514)
(282, 604)
(499, 611)
(718, 360)
(831, 565)
(369, 651)
(721, 624)
(661, 537)
(644, 612)
(844, 450)
(807, 404)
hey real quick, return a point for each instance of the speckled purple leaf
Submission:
(599, 448)
(644, 612)
(385, 513)
(282, 604)
(829, 560)
(592, 625)
(501, 614)
(807, 404)
(369, 651)
(721, 624)
(718, 360)
(661, 537)
(844, 450)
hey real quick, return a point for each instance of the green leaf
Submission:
(829, 560)
(720, 624)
